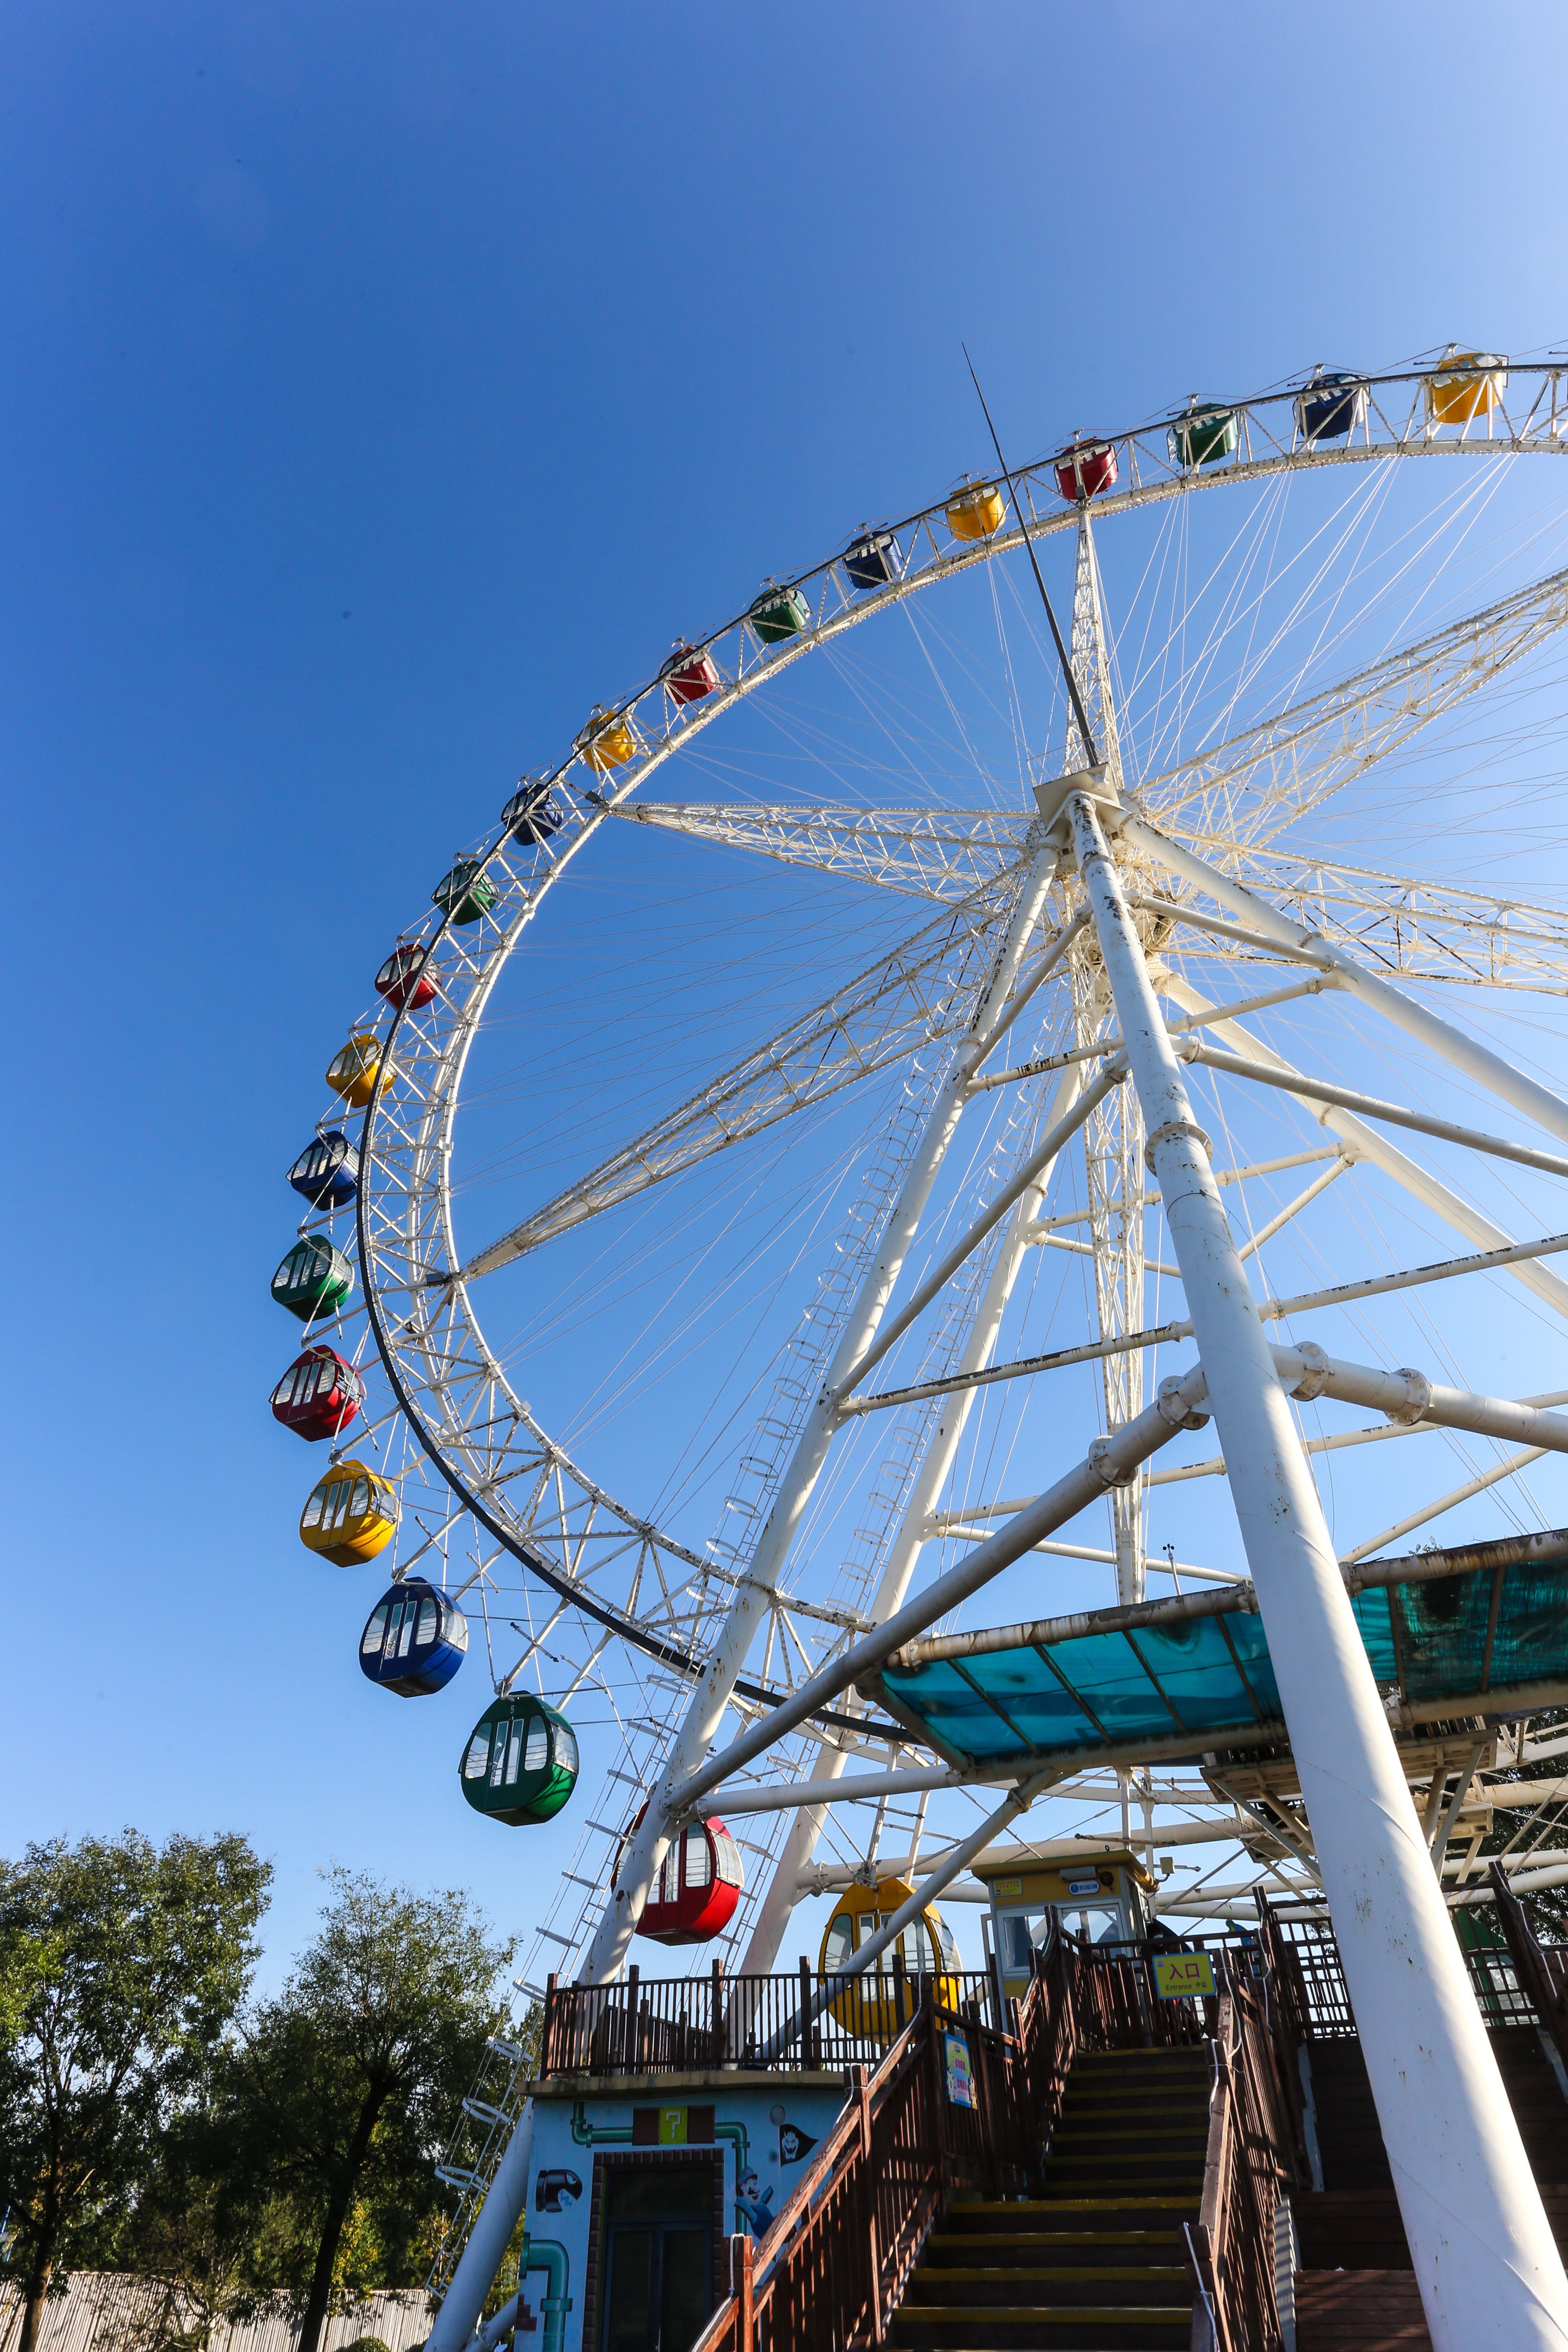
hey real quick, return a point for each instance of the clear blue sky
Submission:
(382, 386)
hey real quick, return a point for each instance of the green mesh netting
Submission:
(1211, 1675)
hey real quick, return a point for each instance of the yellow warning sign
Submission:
(1184, 1976)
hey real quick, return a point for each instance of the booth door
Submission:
(658, 2259)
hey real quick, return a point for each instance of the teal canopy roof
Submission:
(1207, 1679)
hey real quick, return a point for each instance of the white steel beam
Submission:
(1511, 1257)
(1304, 1088)
(1367, 1143)
(1492, 1477)
(1498, 2285)
(853, 1788)
(506, 2201)
(1468, 1055)
(1107, 1459)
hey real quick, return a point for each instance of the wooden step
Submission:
(1070, 2212)
(1135, 2328)
(1077, 2286)
(1360, 2311)
(1175, 2173)
(1119, 2133)
(1043, 2249)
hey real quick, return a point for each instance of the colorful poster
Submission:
(1184, 1976)
(960, 2089)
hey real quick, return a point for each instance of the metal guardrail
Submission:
(674, 2025)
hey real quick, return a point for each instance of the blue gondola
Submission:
(415, 1639)
(531, 815)
(873, 560)
(1330, 407)
(326, 1173)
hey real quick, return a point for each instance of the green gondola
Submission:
(779, 613)
(313, 1279)
(465, 893)
(521, 1763)
(1203, 437)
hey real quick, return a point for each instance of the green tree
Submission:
(350, 2078)
(120, 1966)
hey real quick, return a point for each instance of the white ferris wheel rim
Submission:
(396, 1263)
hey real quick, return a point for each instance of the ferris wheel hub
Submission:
(1052, 799)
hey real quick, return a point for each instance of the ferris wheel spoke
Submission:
(1409, 925)
(1507, 1468)
(942, 854)
(925, 990)
(1293, 762)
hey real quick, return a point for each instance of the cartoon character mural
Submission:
(794, 2143)
(557, 2190)
(753, 2204)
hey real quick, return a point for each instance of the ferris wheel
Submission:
(801, 1221)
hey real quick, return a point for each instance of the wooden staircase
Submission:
(1099, 2258)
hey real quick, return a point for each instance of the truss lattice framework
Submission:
(1293, 763)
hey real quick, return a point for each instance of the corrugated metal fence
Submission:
(103, 2311)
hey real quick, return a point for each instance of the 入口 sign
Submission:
(1184, 1976)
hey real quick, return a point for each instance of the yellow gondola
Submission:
(975, 512)
(1468, 384)
(607, 743)
(353, 1073)
(867, 2004)
(350, 1516)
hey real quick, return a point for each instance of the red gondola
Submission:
(689, 674)
(1085, 469)
(694, 1897)
(319, 1395)
(401, 979)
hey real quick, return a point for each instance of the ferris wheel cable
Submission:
(1067, 677)
(603, 1402)
(890, 991)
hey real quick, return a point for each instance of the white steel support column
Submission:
(932, 1477)
(1489, 2274)
(506, 2201)
(705, 1712)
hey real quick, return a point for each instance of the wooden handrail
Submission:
(1539, 1975)
(835, 2264)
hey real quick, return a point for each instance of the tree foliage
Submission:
(242, 2153)
(120, 1966)
(340, 2099)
